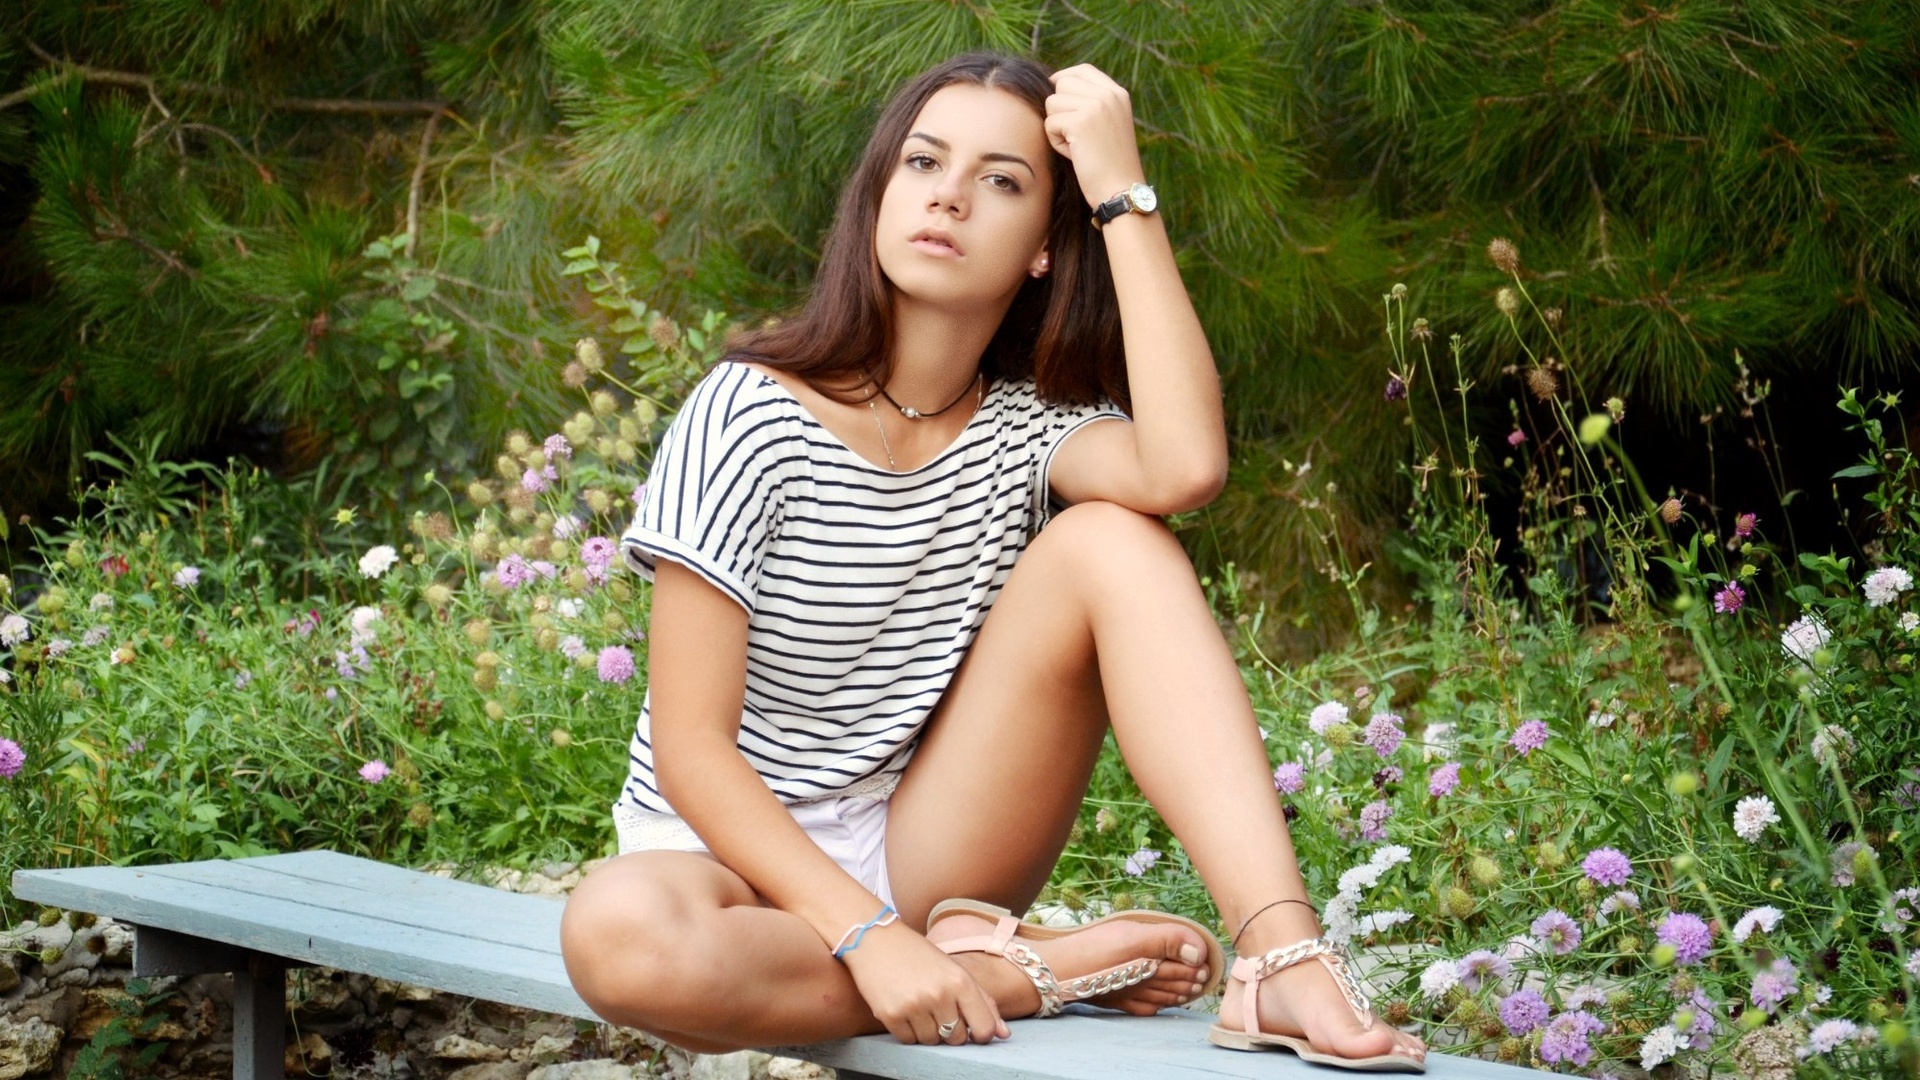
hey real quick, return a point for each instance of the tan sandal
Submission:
(1250, 970)
(1054, 994)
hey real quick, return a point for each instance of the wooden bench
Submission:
(257, 917)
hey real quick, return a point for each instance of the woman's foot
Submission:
(1181, 975)
(1305, 1001)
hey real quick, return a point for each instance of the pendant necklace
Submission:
(913, 414)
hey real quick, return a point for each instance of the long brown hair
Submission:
(1063, 329)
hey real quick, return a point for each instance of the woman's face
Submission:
(963, 220)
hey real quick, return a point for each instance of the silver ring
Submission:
(947, 1029)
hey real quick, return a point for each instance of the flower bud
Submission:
(603, 403)
(1484, 871)
(485, 679)
(1663, 955)
(1398, 292)
(1683, 783)
(644, 412)
(1508, 301)
(1684, 863)
(579, 429)
(587, 352)
(51, 954)
(1670, 511)
(507, 467)
(574, 375)
(599, 500)
(1459, 902)
(1504, 256)
(419, 815)
(1511, 1048)
(1893, 1032)
(518, 444)
(495, 711)
(438, 596)
(1542, 383)
(1593, 428)
(478, 631)
(77, 554)
(613, 621)
(1548, 857)
(546, 639)
(560, 737)
(47, 916)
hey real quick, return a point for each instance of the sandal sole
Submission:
(1240, 1040)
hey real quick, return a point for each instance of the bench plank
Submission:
(1088, 1044)
(426, 902)
(533, 978)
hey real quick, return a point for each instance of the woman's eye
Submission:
(920, 162)
(1004, 182)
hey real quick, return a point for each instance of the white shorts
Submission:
(850, 827)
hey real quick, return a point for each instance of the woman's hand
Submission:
(1090, 123)
(913, 988)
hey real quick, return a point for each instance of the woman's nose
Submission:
(947, 195)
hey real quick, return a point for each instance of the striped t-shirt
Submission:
(863, 587)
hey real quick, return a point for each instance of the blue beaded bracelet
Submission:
(886, 917)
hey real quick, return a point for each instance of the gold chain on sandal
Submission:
(1286, 956)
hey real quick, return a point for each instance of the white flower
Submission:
(1586, 997)
(1763, 919)
(1846, 859)
(5, 676)
(100, 602)
(1832, 743)
(1805, 636)
(1752, 815)
(1325, 715)
(1885, 585)
(1913, 965)
(1828, 1036)
(1382, 920)
(1909, 621)
(1521, 946)
(571, 646)
(1439, 742)
(1338, 923)
(93, 637)
(1624, 900)
(186, 577)
(1389, 856)
(1659, 1046)
(361, 621)
(566, 526)
(378, 560)
(1323, 759)
(1599, 719)
(570, 607)
(1440, 977)
(13, 630)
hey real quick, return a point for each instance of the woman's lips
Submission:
(936, 244)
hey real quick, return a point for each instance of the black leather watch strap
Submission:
(1111, 209)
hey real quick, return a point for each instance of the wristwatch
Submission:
(1138, 199)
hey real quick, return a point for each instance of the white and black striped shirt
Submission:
(863, 587)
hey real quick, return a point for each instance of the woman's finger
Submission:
(924, 1031)
(980, 1017)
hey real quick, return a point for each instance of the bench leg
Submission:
(260, 1019)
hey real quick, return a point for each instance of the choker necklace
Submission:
(882, 428)
(912, 413)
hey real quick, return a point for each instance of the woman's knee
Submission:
(1107, 539)
(628, 937)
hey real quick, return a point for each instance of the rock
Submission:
(27, 1047)
(794, 1069)
(559, 870)
(736, 1066)
(118, 940)
(461, 1048)
(319, 995)
(492, 1070)
(56, 1007)
(596, 1069)
(79, 953)
(41, 938)
(548, 1049)
(9, 972)
(309, 1055)
(386, 991)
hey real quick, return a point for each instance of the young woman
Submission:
(861, 709)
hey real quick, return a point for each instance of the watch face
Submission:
(1143, 198)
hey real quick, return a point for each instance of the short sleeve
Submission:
(712, 501)
(1054, 424)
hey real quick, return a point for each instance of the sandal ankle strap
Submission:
(1054, 995)
(1251, 970)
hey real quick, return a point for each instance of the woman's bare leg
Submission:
(1103, 622)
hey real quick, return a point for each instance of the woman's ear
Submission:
(1040, 265)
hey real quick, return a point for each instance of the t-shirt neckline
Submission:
(837, 443)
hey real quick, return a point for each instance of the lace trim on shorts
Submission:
(650, 830)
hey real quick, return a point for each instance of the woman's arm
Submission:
(696, 670)
(1173, 456)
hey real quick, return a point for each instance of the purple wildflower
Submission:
(1140, 862)
(1444, 780)
(1290, 777)
(1522, 1011)
(1775, 985)
(1396, 388)
(1743, 525)
(1699, 1027)
(1392, 774)
(1480, 967)
(616, 664)
(1607, 867)
(557, 447)
(1565, 1039)
(12, 759)
(1728, 600)
(598, 553)
(514, 571)
(186, 577)
(1384, 733)
(1557, 930)
(639, 494)
(1529, 737)
(1689, 935)
(1516, 437)
(533, 481)
(374, 771)
(1373, 820)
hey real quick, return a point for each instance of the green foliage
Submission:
(135, 1018)
(209, 669)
